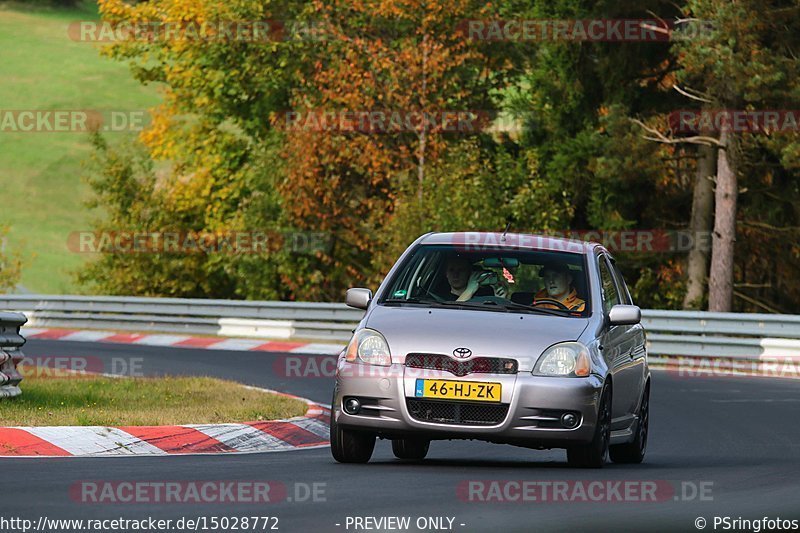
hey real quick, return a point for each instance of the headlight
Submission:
(568, 359)
(369, 346)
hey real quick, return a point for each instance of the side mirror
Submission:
(624, 315)
(359, 298)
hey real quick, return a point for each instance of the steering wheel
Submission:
(433, 295)
(549, 301)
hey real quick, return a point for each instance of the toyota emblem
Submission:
(462, 353)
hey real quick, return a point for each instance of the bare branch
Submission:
(664, 30)
(768, 227)
(657, 136)
(687, 19)
(685, 92)
(755, 302)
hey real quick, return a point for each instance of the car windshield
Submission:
(520, 281)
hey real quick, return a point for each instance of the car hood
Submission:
(487, 333)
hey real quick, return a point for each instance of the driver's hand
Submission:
(501, 291)
(471, 289)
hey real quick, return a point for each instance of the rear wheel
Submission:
(348, 446)
(633, 452)
(410, 449)
(595, 453)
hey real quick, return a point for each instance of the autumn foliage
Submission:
(250, 136)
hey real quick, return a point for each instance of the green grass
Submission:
(41, 68)
(102, 401)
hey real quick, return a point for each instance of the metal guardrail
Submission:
(700, 334)
(669, 333)
(10, 354)
(278, 320)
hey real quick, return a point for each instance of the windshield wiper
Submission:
(510, 306)
(430, 302)
(408, 301)
(485, 305)
(542, 310)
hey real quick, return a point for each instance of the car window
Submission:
(625, 293)
(548, 280)
(609, 289)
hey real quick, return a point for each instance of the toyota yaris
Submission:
(515, 339)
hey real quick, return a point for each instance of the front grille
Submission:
(478, 365)
(463, 413)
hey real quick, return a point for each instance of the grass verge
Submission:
(103, 401)
(43, 69)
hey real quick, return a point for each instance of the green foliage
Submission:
(135, 200)
(479, 186)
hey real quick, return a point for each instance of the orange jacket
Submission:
(571, 301)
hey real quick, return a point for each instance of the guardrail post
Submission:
(10, 353)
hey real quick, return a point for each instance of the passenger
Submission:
(558, 291)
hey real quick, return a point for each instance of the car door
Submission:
(617, 343)
(636, 337)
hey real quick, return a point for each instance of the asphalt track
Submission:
(739, 436)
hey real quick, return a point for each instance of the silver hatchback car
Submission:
(507, 338)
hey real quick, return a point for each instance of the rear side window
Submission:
(610, 293)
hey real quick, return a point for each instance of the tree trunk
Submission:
(720, 282)
(423, 138)
(700, 226)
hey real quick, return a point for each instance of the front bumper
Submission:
(532, 419)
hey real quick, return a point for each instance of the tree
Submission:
(380, 59)
(747, 61)
(207, 162)
(701, 224)
(577, 98)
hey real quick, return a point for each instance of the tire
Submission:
(595, 453)
(348, 446)
(411, 449)
(633, 452)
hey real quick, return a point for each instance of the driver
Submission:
(558, 291)
(464, 280)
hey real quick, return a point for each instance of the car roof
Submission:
(519, 241)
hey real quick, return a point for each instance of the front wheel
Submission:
(633, 452)
(595, 453)
(348, 446)
(411, 449)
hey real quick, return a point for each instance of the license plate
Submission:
(458, 390)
